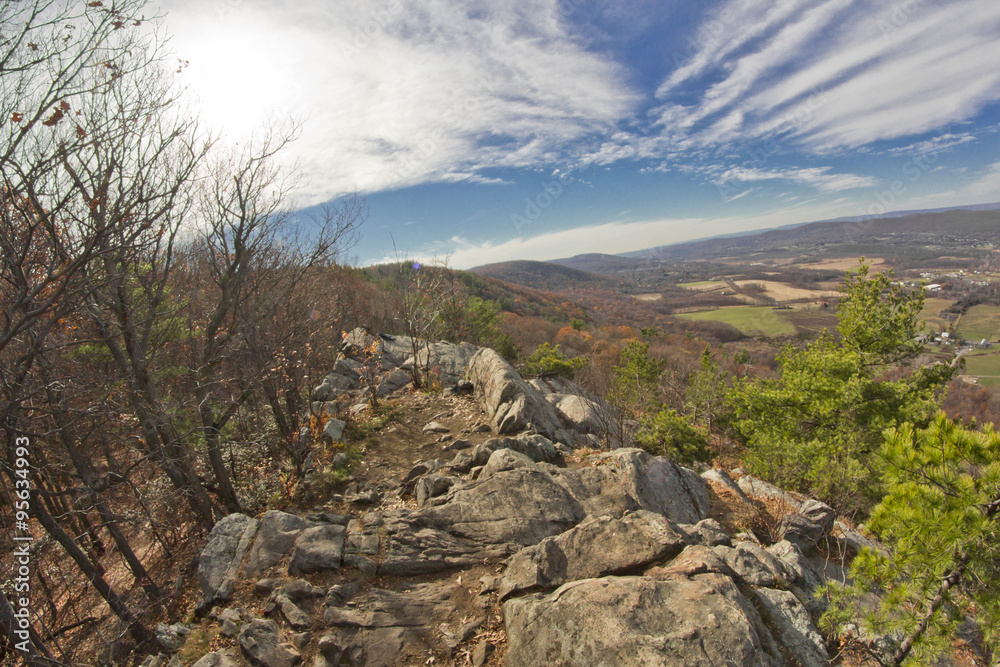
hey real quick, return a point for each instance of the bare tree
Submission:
(246, 271)
(54, 58)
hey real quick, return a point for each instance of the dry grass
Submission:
(784, 292)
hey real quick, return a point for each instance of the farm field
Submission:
(844, 264)
(703, 285)
(784, 292)
(985, 365)
(811, 319)
(750, 320)
(930, 314)
(980, 322)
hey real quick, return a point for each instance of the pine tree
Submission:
(940, 514)
(815, 427)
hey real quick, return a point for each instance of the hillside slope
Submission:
(541, 275)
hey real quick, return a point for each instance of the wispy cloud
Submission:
(937, 144)
(394, 93)
(817, 177)
(881, 71)
(398, 92)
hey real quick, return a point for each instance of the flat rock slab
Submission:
(277, 534)
(413, 548)
(520, 506)
(379, 625)
(596, 547)
(629, 621)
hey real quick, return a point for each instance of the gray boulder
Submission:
(754, 566)
(317, 549)
(275, 538)
(707, 532)
(296, 617)
(582, 414)
(262, 645)
(811, 523)
(222, 555)
(432, 486)
(393, 381)
(631, 479)
(536, 447)
(509, 402)
(344, 377)
(806, 580)
(334, 430)
(172, 637)
(636, 621)
(596, 547)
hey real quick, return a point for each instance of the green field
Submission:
(750, 320)
(980, 322)
(985, 365)
(929, 315)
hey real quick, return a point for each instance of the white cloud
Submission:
(397, 92)
(987, 184)
(936, 144)
(618, 237)
(831, 79)
(817, 177)
(394, 93)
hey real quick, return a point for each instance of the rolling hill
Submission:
(543, 275)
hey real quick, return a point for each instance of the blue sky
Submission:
(487, 131)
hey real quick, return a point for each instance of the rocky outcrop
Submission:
(316, 549)
(793, 627)
(510, 403)
(394, 362)
(603, 558)
(510, 503)
(704, 620)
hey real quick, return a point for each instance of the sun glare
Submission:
(239, 77)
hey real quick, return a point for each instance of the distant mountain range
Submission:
(922, 232)
(978, 223)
